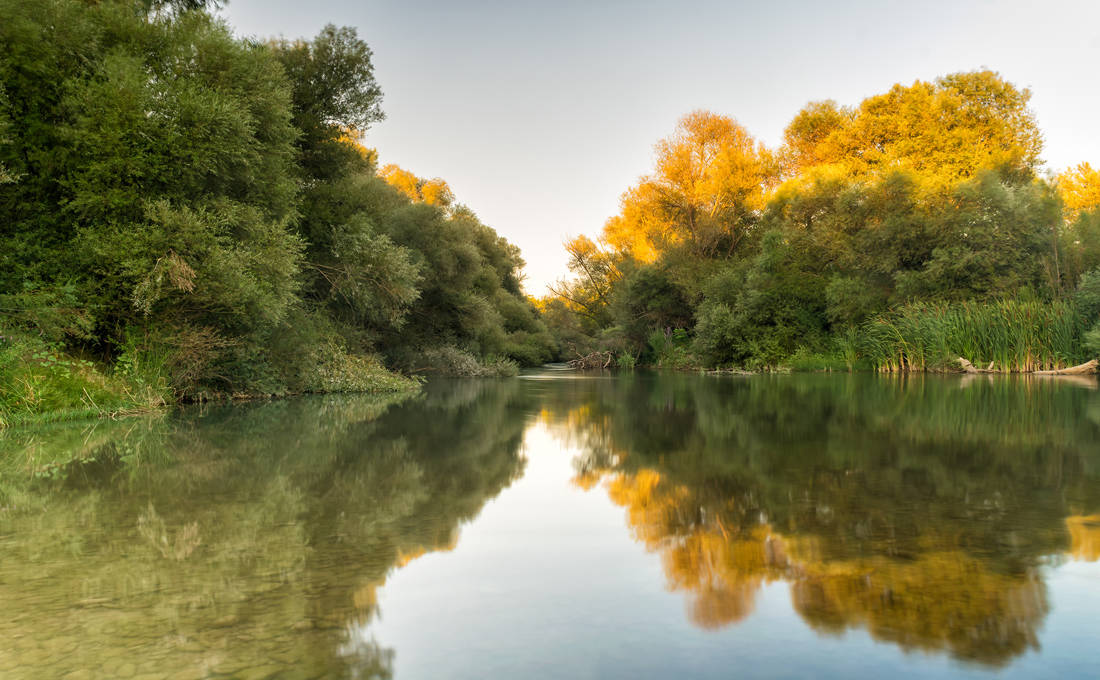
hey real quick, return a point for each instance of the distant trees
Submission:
(926, 192)
(946, 130)
(1079, 188)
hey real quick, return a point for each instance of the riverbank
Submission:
(40, 383)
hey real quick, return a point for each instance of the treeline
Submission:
(188, 214)
(857, 242)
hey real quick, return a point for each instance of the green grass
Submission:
(1008, 335)
(39, 383)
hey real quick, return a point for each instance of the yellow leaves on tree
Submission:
(711, 177)
(595, 271)
(943, 131)
(1080, 190)
(815, 137)
(431, 191)
(352, 138)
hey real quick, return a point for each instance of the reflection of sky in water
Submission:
(637, 526)
(554, 586)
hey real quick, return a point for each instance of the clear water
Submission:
(566, 526)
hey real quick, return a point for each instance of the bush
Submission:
(338, 371)
(671, 349)
(449, 360)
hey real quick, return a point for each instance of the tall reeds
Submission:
(1005, 335)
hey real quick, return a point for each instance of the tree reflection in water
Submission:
(238, 540)
(921, 509)
(250, 540)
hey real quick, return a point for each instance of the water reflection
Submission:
(921, 510)
(256, 540)
(242, 541)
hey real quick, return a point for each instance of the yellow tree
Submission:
(815, 136)
(945, 131)
(1079, 188)
(431, 191)
(589, 293)
(709, 184)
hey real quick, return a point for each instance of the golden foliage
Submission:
(431, 191)
(351, 137)
(710, 177)
(944, 131)
(1079, 188)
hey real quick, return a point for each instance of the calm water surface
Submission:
(566, 526)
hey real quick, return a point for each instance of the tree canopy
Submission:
(206, 200)
(927, 192)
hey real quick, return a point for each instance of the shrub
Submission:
(449, 360)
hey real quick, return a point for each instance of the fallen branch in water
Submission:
(1081, 369)
(593, 360)
(729, 371)
(1087, 368)
(968, 367)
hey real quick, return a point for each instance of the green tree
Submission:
(334, 95)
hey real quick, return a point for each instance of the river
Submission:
(564, 525)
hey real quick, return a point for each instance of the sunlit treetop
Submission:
(710, 178)
(1079, 188)
(946, 130)
(813, 136)
(433, 191)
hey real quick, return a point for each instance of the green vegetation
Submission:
(192, 215)
(899, 234)
(887, 502)
(204, 521)
(1009, 335)
(39, 382)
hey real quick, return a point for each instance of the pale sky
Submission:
(540, 114)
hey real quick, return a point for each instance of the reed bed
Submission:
(1012, 336)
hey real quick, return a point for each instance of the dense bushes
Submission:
(181, 198)
(902, 233)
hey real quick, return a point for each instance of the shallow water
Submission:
(566, 526)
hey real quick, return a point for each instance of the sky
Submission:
(540, 114)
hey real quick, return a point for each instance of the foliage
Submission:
(39, 382)
(670, 349)
(926, 194)
(198, 210)
(449, 360)
(333, 91)
(708, 185)
(1079, 188)
(1009, 335)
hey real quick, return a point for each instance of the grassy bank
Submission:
(1005, 335)
(40, 382)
